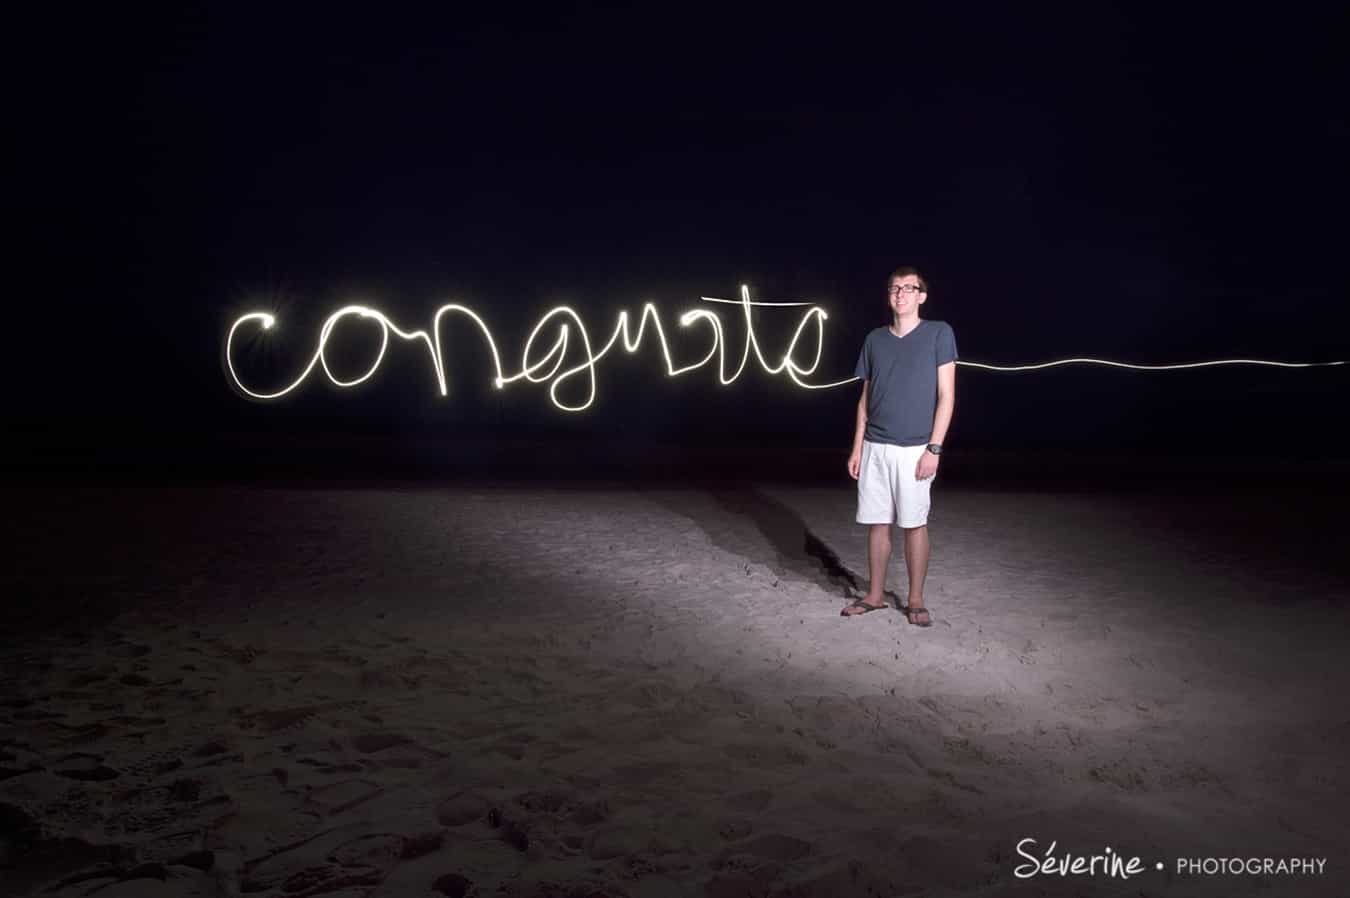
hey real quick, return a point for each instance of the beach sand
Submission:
(610, 690)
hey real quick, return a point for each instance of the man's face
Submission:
(904, 294)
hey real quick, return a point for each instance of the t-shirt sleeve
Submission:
(946, 346)
(863, 370)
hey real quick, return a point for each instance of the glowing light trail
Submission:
(1149, 367)
(557, 353)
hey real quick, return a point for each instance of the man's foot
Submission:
(864, 605)
(918, 616)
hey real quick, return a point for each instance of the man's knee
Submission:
(912, 529)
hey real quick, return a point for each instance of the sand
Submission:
(648, 691)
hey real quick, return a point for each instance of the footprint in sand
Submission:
(28, 714)
(15, 760)
(452, 885)
(765, 855)
(341, 858)
(330, 879)
(753, 801)
(129, 650)
(462, 808)
(86, 767)
(733, 828)
(343, 796)
(278, 719)
(370, 743)
(767, 754)
(379, 850)
(329, 766)
(211, 749)
(548, 823)
(156, 764)
(618, 841)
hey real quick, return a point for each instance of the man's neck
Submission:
(901, 325)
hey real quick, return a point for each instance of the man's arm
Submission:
(946, 402)
(862, 420)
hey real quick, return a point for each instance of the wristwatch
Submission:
(935, 448)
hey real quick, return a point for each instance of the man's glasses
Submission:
(904, 288)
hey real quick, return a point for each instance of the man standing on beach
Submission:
(908, 372)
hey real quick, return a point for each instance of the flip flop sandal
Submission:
(865, 606)
(910, 612)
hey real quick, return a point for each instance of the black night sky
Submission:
(1077, 183)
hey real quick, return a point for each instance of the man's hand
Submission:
(854, 463)
(928, 464)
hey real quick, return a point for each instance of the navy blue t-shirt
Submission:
(902, 395)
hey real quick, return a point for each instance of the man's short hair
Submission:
(906, 271)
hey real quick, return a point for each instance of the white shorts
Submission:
(888, 491)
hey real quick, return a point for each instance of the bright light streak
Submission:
(533, 363)
(557, 352)
(1150, 367)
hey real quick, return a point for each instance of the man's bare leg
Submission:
(916, 561)
(878, 556)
